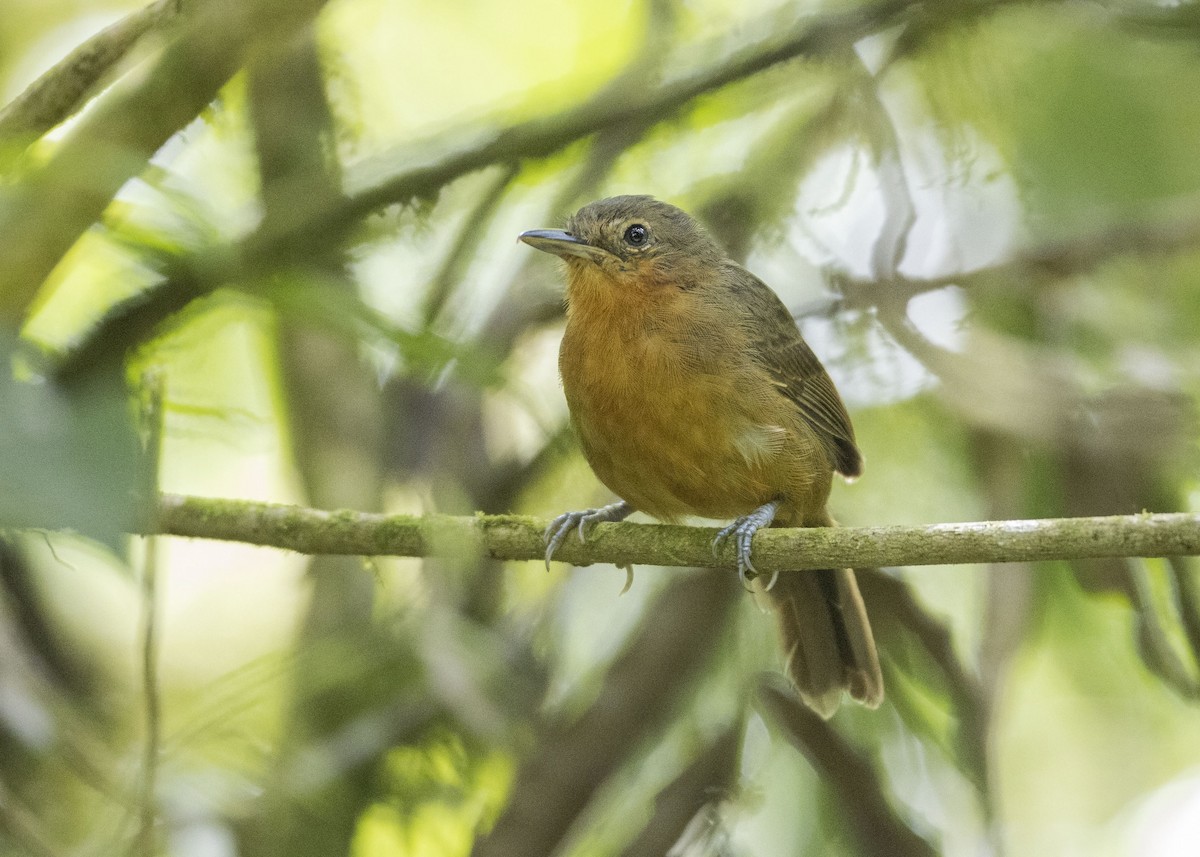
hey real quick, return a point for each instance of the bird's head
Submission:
(634, 241)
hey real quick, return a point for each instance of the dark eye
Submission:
(636, 235)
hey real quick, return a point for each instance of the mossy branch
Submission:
(60, 92)
(517, 537)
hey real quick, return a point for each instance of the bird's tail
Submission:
(827, 642)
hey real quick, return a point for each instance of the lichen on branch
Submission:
(519, 537)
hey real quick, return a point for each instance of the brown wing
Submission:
(777, 346)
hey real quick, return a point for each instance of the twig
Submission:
(46, 212)
(62, 90)
(375, 184)
(1155, 645)
(472, 231)
(1174, 229)
(153, 417)
(876, 826)
(895, 612)
(706, 781)
(1187, 594)
(518, 537)
(575, 757)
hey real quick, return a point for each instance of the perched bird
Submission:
(693, 393)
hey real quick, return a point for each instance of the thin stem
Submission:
(147, 841)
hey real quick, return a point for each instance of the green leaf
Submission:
(68, 458)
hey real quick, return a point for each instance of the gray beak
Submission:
(561, 244)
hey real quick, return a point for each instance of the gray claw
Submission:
(744, 528)
(560, 526)
(745, 535)
(720, 539)
(564, 523)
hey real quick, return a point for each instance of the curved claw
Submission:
(746, 570)
(744, 529)
(560, 526)
(628, 579)
(720, 539)
(556, 533)
(725, 533)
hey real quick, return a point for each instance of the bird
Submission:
(693, 393)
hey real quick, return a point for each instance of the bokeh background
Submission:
(276, 241)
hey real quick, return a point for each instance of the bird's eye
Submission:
(636, 235)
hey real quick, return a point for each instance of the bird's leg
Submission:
(744, 529)
(564, 523)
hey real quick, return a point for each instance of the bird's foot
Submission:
(561, 526)
(744, 529)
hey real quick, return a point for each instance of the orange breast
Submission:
(671, 414)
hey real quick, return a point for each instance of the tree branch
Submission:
(864, 808)
(376, 182)
(61, 91)
(518, 537)
(44, 213)
(1173, 229)
(706, 781)
(573, 758)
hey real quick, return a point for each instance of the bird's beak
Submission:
(562, 244)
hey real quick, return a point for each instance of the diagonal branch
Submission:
(620, 114)
(517, 537)
(376, 183)
(43, 214)
(705, 782)
(61, 91)
(575, 758)
(861, 801)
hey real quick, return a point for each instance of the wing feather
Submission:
(777, 346)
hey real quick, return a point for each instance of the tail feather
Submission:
(826, 637)
(865, 676)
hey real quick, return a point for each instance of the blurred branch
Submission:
(153, 417)
(44, 213)
(999, 469)
(187, 278)
(135, 320)
(894, 611)
(707, 780)
(878, 830)
(1178, 20)
(23, 828)
(61, 91)
(1116, 450)
(762, 193)
(335, 429)
(1154, 640)
(466, 243)
(1009, 385)
(20, 593)
(518, 537)
(572, 760)
(1174, 230)
(123, 327)
(1188, 595)
(883, 137)
(375, 183)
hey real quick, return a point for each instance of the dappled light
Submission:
(284, 424)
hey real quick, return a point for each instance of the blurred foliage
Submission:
(987, 219)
